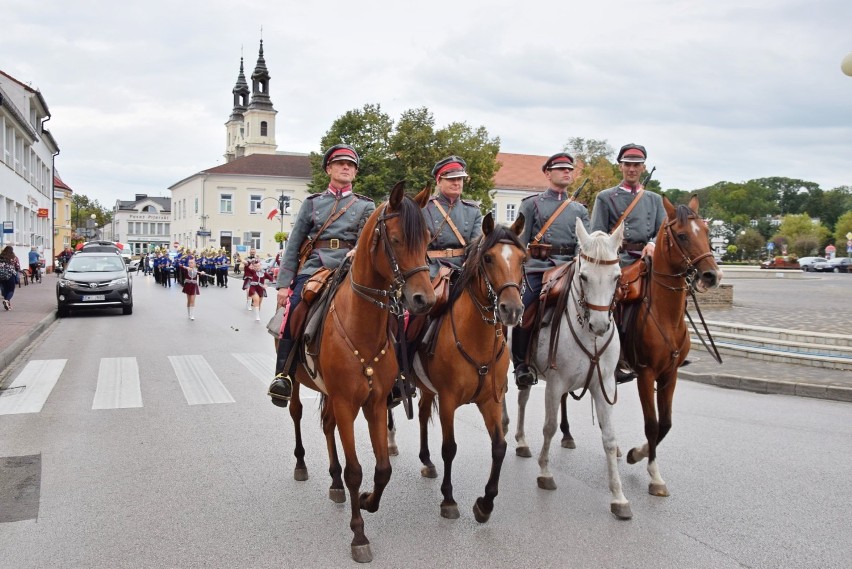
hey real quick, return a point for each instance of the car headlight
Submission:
(119, 282)
(64, 283)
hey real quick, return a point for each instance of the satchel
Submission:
(314, 285)
(540, 251)
(630, 283)
(275, 323)
(7, 271)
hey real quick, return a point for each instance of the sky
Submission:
(728, 90)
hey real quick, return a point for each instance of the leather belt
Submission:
(550, 251)
(444, 253)
(631, 246)
(332, 244)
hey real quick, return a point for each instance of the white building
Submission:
(143, 224)
(27, 150)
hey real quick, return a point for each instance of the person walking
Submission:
(550, 224)
(254, 283)
(190, 285)
(34, 261)
(326, 229)
(9, 268)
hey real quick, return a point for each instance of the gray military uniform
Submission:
(467, 218)
(640, 227)
(561, 234)
(346, 229)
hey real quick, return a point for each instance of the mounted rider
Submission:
(327, 228)
(550, 237)
(641, 212)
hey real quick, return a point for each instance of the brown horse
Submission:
(356, 365)
(467, 361)
(658, 341)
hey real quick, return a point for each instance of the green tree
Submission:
(835, 203)
(801, 234)
(750, 242)
(841, 228)
(82, 209)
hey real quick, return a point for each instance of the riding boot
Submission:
(281, 387)
(524, 376)
(623, 373)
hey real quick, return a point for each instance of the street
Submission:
(187, 464)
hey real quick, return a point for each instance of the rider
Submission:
(641, 223)
(326, 229)
(546, 249)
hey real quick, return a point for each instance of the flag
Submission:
(272, 214)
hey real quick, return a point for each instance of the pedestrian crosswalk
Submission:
(120, 385)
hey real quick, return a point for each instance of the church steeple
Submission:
(251, 126)
(260, 84)
(241, 95)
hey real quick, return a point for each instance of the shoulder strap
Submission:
(450, 223)
(551, 219)
(308, 246)
(628, 210)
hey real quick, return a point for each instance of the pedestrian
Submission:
(254, 283)
(237, 262)
(325, 231)
(9, 268)
(550, 225)
(641, 212)
(34, 262)
(190, 286)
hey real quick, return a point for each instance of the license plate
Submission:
(90, 297)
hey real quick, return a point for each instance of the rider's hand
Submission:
(648, 250)
(283, 296)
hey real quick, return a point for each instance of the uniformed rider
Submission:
(328, 224)
(546, 249)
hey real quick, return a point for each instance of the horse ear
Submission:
(693, 203)
(580, 230)
(487, 224)
(518, 226)
(670, 209)
(396, 195)
(617, 236)
(422, 198)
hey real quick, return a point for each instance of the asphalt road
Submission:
(756, 480)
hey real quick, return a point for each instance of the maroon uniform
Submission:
(255, 281)
(190, 281)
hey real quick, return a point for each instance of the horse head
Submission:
(596, 276)
(687, 242)
(398, 239)
(497, 257)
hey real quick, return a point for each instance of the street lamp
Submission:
(846, 65)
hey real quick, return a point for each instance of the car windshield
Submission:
(104, 264)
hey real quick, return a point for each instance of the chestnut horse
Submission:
(658, 341)
(467, 359)
(356, 365)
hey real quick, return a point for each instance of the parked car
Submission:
(784, 262)
(807, 263)
(836, 265)
(94, 280)
(133, 265)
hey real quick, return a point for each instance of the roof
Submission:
(520, 172)
(165, 203)
(58, 183)
(284, 165)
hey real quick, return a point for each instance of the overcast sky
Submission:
(725, 90)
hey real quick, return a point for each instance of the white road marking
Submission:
(200, 384)
(30, 390)
(118, 384)
(262, 366)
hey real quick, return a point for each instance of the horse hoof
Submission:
(429, 471)
(523, 452)
(546, 483)
(655, 489)
(631, 457)
(337, 495)
(362, 553)
(621, 511)
(393, 450)
(568, 443)
(451, 511)
(300, 474)
(480, 516)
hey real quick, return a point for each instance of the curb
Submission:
(8, 356)
(768, 386)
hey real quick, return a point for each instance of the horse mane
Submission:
(412, 223)
(599, 248)
(473, 256)
(683, 212)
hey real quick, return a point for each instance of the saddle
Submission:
(442, 286)
(554, 285)
(633, 280)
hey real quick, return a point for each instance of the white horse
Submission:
(586, 358)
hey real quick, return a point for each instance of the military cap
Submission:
(632, 153)
(559, 160)
(340, 152)
(450, 167)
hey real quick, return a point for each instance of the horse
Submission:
(658, 340)
(356, 366)
(587, 356)
(467, 360)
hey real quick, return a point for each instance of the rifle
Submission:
(648, 177)
(580, 189)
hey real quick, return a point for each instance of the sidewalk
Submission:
(764, 303)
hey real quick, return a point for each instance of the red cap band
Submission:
(633, 152)
(343, 152)
(450, 166)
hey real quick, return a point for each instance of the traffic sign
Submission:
(770, 245)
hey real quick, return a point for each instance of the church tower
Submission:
(235, 127)
(259, 118)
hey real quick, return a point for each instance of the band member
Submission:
(326, 228)
(254, 284)
(190, 286)
(549, 235)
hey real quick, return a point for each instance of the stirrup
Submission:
(281, 397)
(525, 377)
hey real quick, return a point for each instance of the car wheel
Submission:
(836, 270)
(62, 312)
(127, 309)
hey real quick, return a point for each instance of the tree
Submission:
(841, 228)
(751, 242)
(801, 234)
(82, 209)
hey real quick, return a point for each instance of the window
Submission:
(510, 212)
(254, 203)
(263, 128)
(196, 205)
(225, 203)
(494, 211)
(253, 239)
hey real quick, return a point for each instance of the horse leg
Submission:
(352, 475)
(567, 439)
(447, 411)
(618, 504)
(375, 413)
(335, 492)
(551, 403)
(393, 450)
(645, 382)
(505, 417)
(523, 448)
(484, 505)
(426, 400)
(665, 395)
(300, 473)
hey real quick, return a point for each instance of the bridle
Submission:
(690, 271)
(393, 294)
(584, 307)
(494, 295)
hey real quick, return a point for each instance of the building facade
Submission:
(61, 216)
(27, 150)
(143, 224)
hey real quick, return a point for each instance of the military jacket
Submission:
(640, 226)
(466, 217)
(562, 233)
(312, 216)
